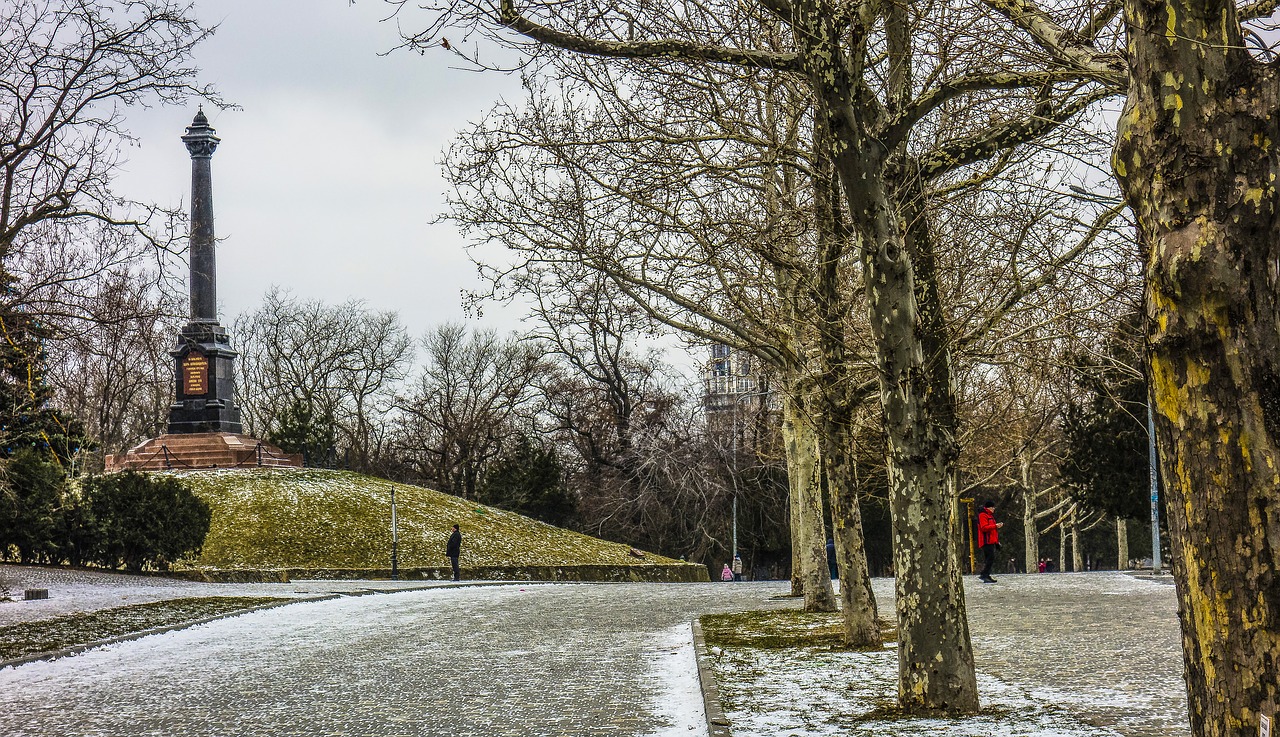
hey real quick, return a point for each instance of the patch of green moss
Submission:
(320, 519)
(29, 638)
(775, 628)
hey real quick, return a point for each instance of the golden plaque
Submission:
(195, 374)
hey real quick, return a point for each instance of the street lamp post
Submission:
(1155, 491)
(736, 409)
(395, 562)
(968, 531)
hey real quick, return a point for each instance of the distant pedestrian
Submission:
(1040, 566)
(988, 539)
(726, 574)
(737, 568)
(453, 551)
(1048, 565)
(1013, 564)
(832, 568)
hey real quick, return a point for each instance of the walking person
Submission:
(453, 550)
(737, 568)
(988, 539)
(726, 574)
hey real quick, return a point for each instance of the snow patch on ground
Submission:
(674, 668)
(1062, 655)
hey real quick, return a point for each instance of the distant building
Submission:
(736, 387)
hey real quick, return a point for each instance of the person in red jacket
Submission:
(988, 539)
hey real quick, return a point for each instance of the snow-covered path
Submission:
(506, 660)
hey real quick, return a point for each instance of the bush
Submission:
(145, 519)
(529, 480)
(30, 506)
(79, 535)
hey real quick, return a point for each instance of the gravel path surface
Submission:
(557, 659)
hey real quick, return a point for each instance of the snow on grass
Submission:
(820, 693)
(311, 518)
(28, 638)
(1062, 655)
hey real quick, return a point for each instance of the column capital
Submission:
(200, 141)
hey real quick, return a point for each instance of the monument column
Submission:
(204, 361)
(201, 143)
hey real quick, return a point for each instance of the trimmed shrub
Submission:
(145, 519)
(30, 506)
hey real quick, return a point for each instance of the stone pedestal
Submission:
(202, 450)
(204, 362)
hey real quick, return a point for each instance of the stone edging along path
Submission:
(717, 723)
(677, 573)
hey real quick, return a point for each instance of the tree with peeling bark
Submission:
(1196, 160)
(858, 62)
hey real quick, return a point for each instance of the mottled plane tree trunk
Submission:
(1030, 531)
(1197, 158)
(839, 402)
(1122, 545)
(1030, 534)
(800, 438)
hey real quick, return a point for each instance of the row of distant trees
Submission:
(597, 436)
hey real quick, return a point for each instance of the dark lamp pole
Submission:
(395, 563)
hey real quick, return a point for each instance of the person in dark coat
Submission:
(454, 551)
(988, 539)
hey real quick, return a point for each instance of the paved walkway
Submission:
(525, 660)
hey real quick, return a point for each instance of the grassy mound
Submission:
(314, 519)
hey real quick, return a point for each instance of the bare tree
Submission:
(473, 393)
(327, 370)
(68, 71)
(573, 187)
(116, 374)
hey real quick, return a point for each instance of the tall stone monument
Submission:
(203, 359)
(204, 422)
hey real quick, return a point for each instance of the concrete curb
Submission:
(717, 724)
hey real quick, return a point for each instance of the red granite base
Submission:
(202, 450)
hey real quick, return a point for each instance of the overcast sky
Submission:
(326, 182)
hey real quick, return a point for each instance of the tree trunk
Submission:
(936, 671)
(839, 402)
(1122, 545)
(793, 510)
(1077, 558)
(858, 603)
(1030, 534)
(1197, 156)
(809, 534)
(935, 660)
